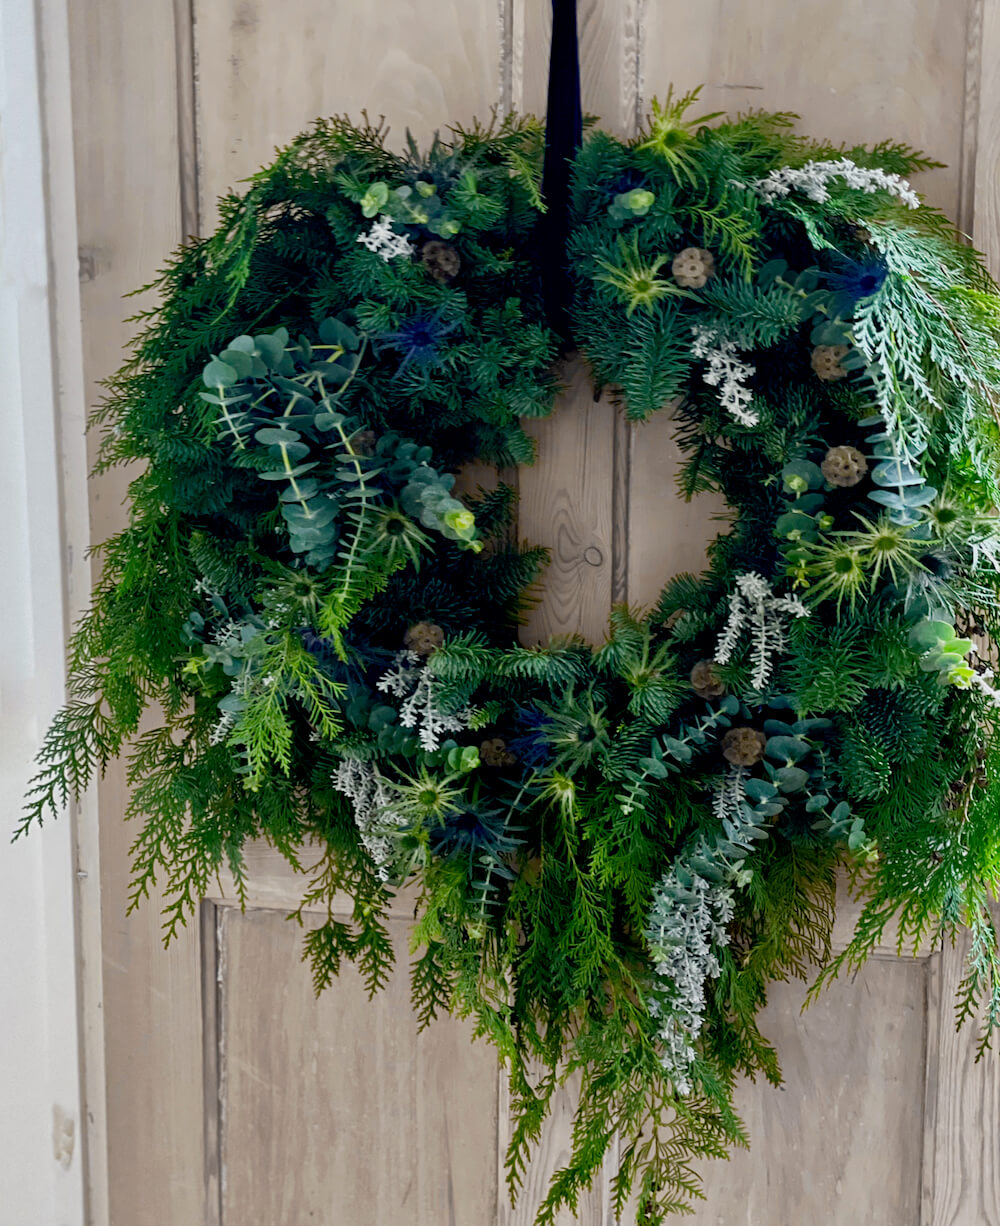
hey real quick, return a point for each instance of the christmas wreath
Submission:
(615, 850)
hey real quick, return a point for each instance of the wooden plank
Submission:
(962, 1110)
(266, 71)
(588, 444)
(335, 1109)
(608, 38)
(126, 152)
(667, 535)
(985, 225)
(828, 63)
(566, 504)
(74, 539)
(962, 1174)
(842, 1140)
(275, 884)
(553, 1152)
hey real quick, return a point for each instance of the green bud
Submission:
(374, 200)
(462, 522)
(637, 201)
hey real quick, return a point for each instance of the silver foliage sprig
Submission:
(688, 923)
(378, 822)
(755, 610)
(727, 372)
(813, 180)
(411, 680)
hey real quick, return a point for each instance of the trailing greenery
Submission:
(828, 347)
(615, 851)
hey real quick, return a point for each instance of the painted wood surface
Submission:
(222, 1069)
(125, 105)
(338, 1111)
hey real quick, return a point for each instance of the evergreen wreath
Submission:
(616, 850)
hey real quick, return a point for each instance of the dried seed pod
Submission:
(424, 638)
(494, 752)
(692, 267)
(705, 680)
(363, 443)
(743, 746)
(441, 260)
(826, 362)
(844, 466)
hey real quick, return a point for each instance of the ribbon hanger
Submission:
(563, 136)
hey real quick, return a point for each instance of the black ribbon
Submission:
(563, 135)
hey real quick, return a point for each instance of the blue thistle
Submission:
(859, 279)
(532, 746)
(626, 182)
(419, 339)
(474, 834)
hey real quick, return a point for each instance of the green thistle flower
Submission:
(833, 571)
(670, 136)
(635, 278)
(427, 798)
(886, 550)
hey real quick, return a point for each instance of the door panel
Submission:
(233, 1095)
(843, 1138)
(331, 1110)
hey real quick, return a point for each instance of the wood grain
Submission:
(854, 71)
(985, 226)
(266, 71)
(962, 1113)
(608, 36)
(842, 1141)
(552, 1153)
(566, 504)
(128, 217)
(335, 1110)
(667, 535)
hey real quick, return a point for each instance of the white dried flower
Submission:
(227, 721)
(384, 241)
(371, 798)
(687, 923)
(411, 679)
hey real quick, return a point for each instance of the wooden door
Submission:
(229, 1094)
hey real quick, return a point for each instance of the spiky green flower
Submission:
(887, 551)
(635, 278)
(833, 571)
(670, 136)
(425, 797)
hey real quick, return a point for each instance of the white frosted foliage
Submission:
(383, 240)
(411, 680)
(726, 371)
(813, 178)
(371, 798)
(761, 615)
